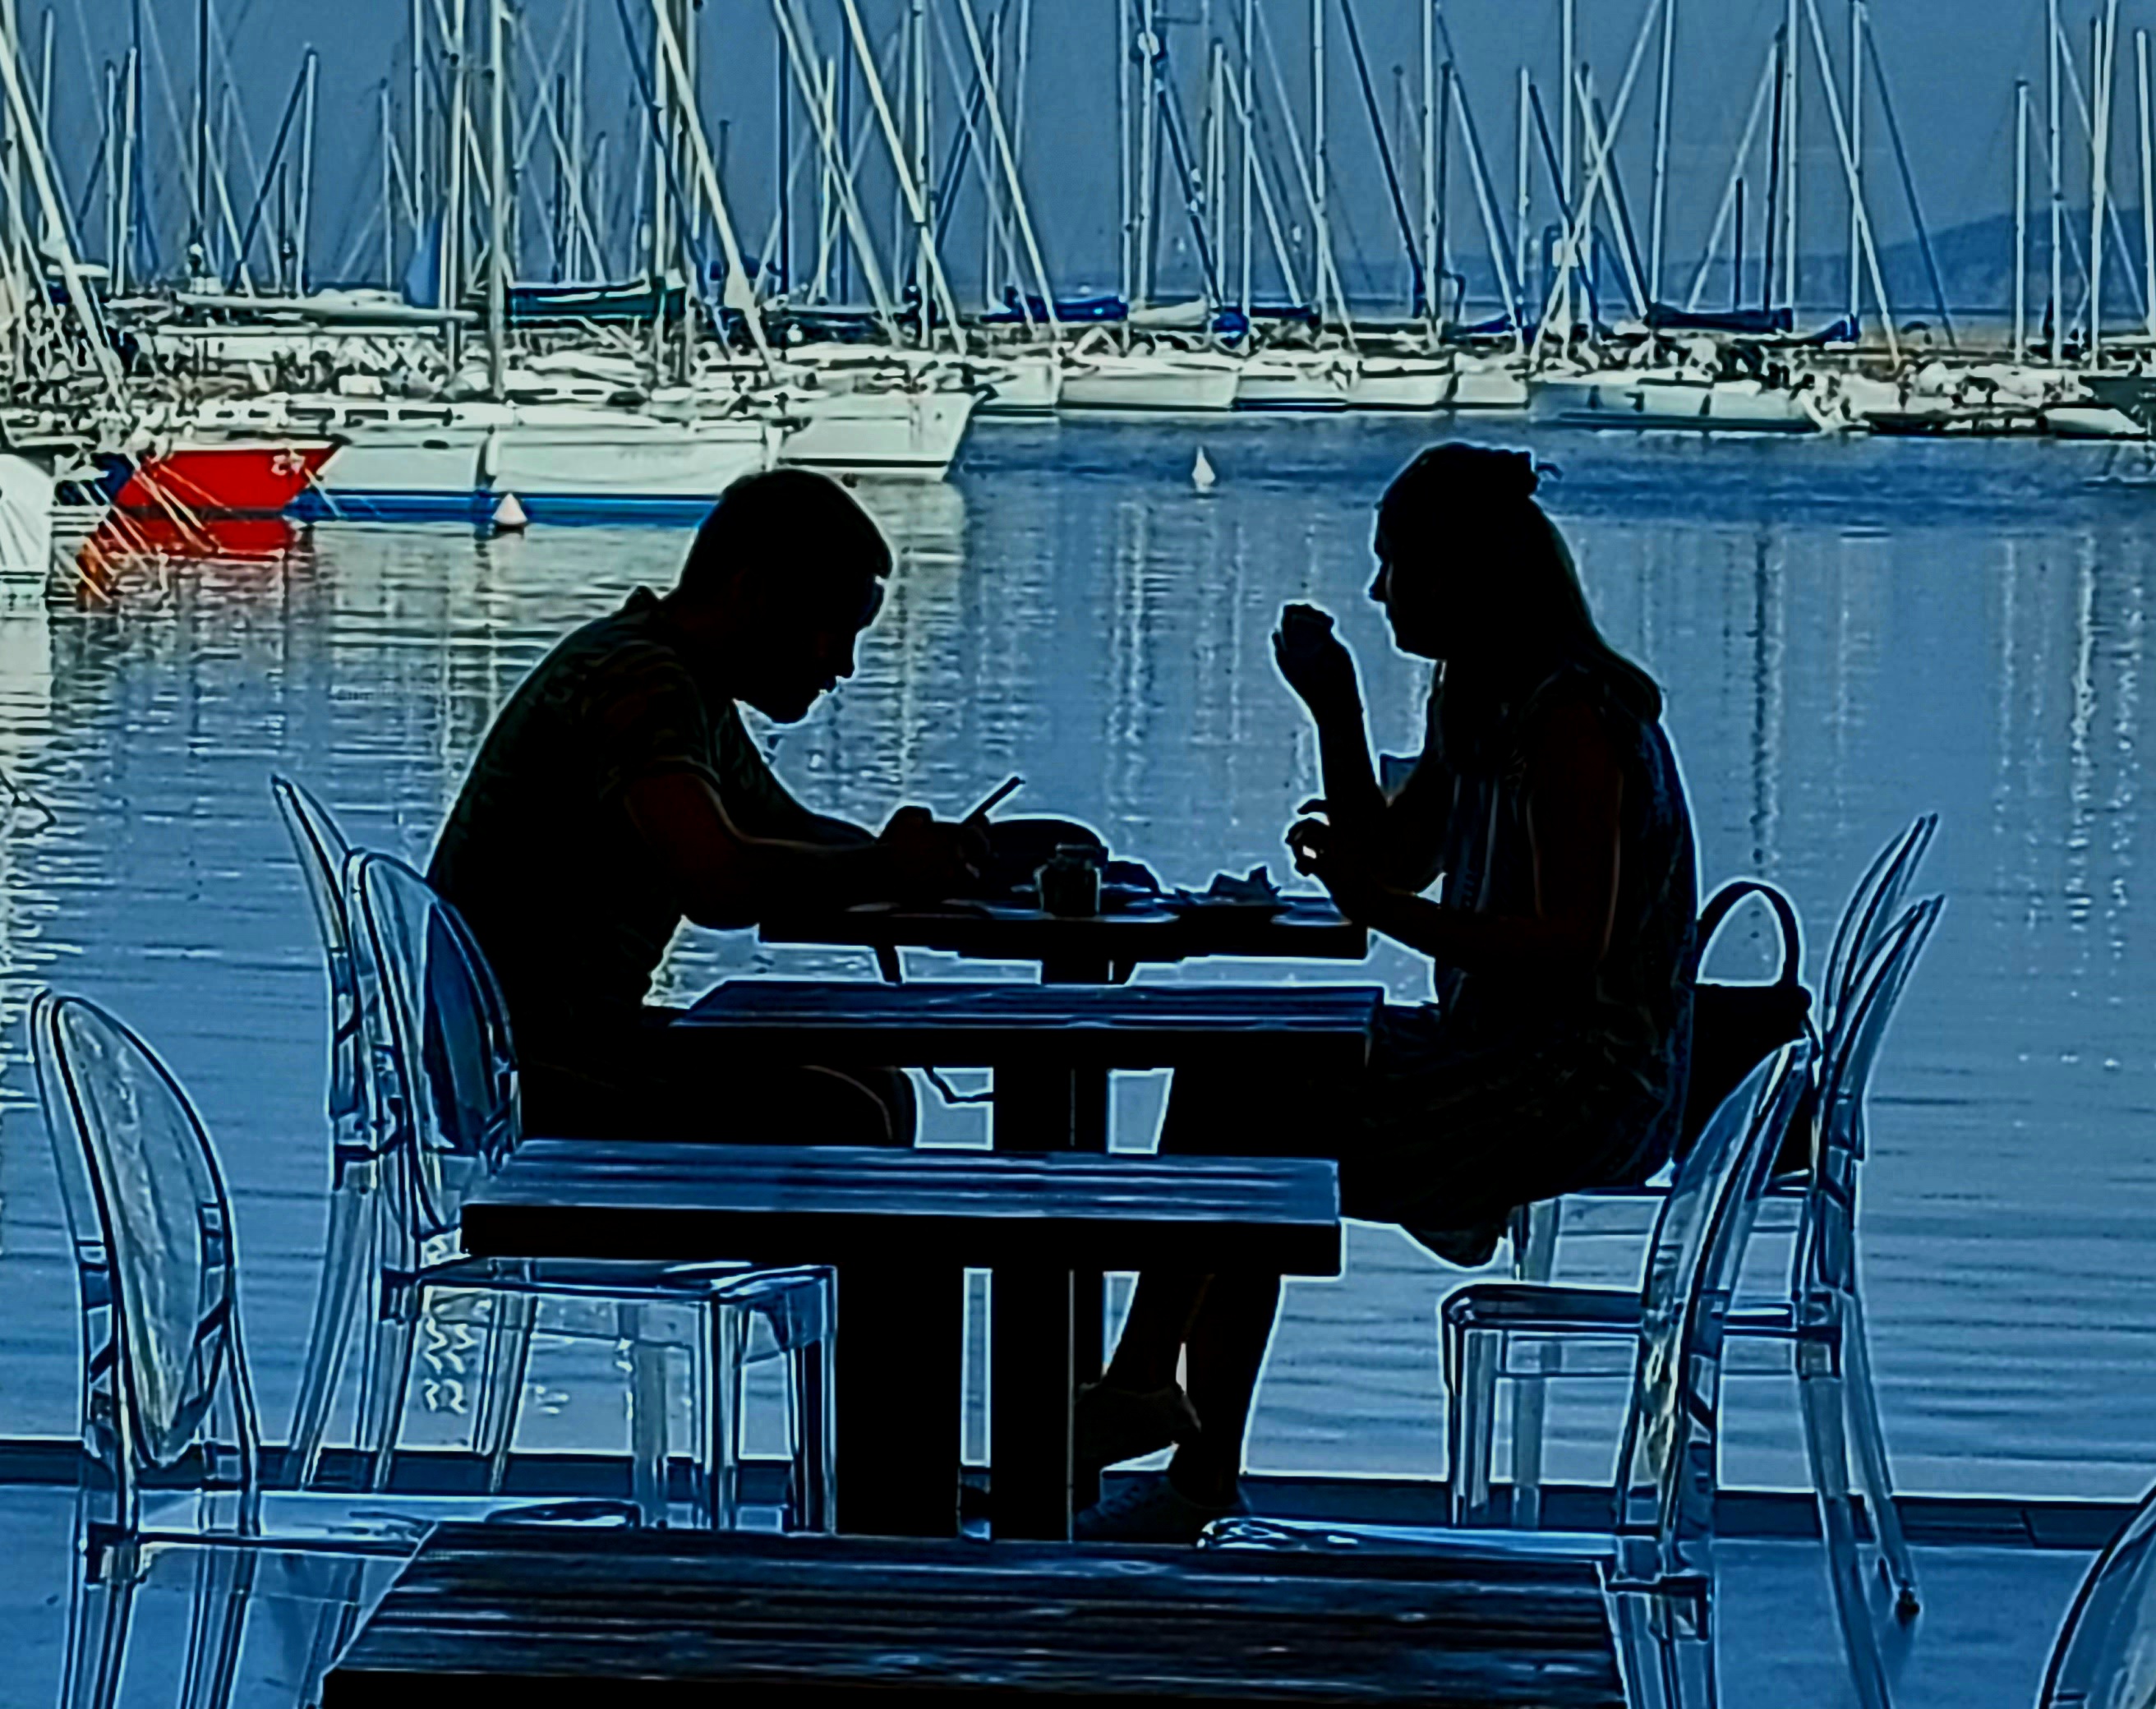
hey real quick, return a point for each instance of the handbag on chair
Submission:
(1734, 1028)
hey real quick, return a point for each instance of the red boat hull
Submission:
(223, 480)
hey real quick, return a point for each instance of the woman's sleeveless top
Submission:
(1633, 1015)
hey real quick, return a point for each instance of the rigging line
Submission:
(1591, 104)
(1420, 282)
(1192, 206)
(276, 155)
(1909, 185)
(969, 146)
(553, 115)
(1557, 189)
(964, 149)
(2126, 259)
(1486, 196)
(1264, 168)
(1729, 188)
(1321, 267)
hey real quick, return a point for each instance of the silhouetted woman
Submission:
(1555, 1057)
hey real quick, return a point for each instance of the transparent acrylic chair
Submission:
(442, 1071)
(348, 1242)
(1873, 905)
(1543, 1324)
(2105, 1657)
(169, 1432)
(1656, 1558)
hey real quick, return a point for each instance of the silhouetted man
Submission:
(620, 793)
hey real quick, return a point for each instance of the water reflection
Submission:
(1849, 635)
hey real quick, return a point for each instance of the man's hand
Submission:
(930, 859)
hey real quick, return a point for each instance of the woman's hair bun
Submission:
(1457, 473)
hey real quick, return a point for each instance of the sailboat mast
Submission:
(1792, 66)
(418, 175)
(2020, 220)
(388, 205)
(1124, 204)
(122, 258)
(452, 269)
(1148, 46)
(497, 195)
(2148, 187)
(1523, 188)
(2058, 205)
(1429, 159)
(1568, 158)
(1657, 214)
(307, 173)
(198, 237)
(1855, 137)
(1319, 173)
(2100, 60)
(1250, 157)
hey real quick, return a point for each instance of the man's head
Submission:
(785, 573)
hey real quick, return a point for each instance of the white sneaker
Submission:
(1150, 1509)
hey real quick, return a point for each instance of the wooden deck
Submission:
(664, 1618)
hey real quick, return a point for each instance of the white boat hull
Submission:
(915, 433)
(26, 516)
(1293, 382)
(1639, 402)
(1178, 385)
(1024, 385)
(1486, 383)
(1383, 383)
(564, 464)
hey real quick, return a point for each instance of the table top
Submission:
(537, 1612)
(1309, 927)
(836, 1204)
(952, 1024)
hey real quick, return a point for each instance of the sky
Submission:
(1951, 64)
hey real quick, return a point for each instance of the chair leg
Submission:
(726, 1331)
(339, 1302)
(1535, 1260)
(1470, 1421)
(1665, 1650)
(647, 1414)
(389, 1380)
(1820, 1389)
(1869, 1439)
(99, 1615)
(501, 1384)
(225, 1579)
(808, 1400)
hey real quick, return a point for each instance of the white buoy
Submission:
(1201, 472)
(509, 518)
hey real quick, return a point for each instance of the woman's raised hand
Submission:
(1317, 666)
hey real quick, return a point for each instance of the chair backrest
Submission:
(2106, 1654)
(439, 1061)
(1870, 911)
(165, 1367)
(1827, 1250)
(1668, 1464)
(322, 849)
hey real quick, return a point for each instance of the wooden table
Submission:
(541, 1616)
(904, 1225)
(1098, 949)
(1034, 1105)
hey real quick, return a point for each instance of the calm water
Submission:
(1851, 634)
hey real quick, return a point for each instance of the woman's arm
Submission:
(1575, 792)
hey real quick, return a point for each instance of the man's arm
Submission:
(725, 879)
